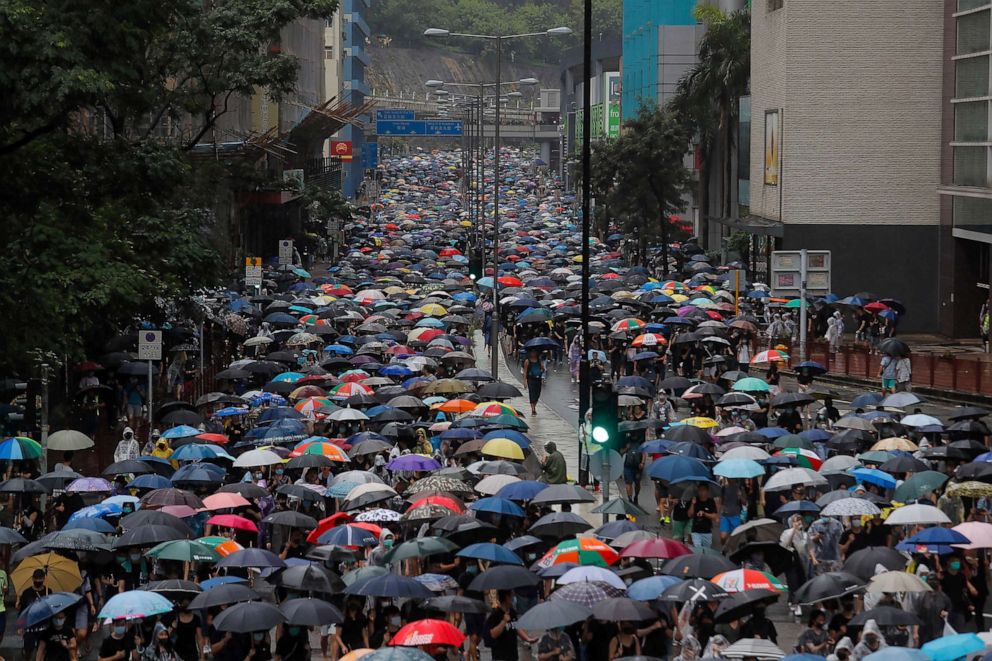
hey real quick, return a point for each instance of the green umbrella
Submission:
(363, 573)
(795, 303)
(875, 457)
(750, 384)
(184, 550)
(620, 506)
(919, 485)
(420, 547)
(792, 441)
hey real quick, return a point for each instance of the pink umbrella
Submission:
(181, 511)
(659, 547)
(232, 521)
(222, 501)
(979, 533)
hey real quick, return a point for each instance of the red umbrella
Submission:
(213, 438)
(510, 281)
(428, 632)
(232, 521)
(443, 501)
(338, 519)
(655, 548)
(875, 306)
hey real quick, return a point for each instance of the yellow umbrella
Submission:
(701, 422)
(679, 298)
(62, 573)
(503, 448)
(465, 223)
(896, 443)
(433, 310)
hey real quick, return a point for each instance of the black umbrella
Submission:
(696, 589)
(904, 464)
(675, 383)
(890, 346)
(147, 535)
(697, 565)
(300, 491)
(331, 554)
(885, 616)
(562, 493)
(457, 604)
(310, 612)
(251, 557)
(309, 578)
(622, 609)
(777, 557)
(504, 577)
(967, 412)
(791, 399)
(687, 433)
(559, 525)
(830, 585)
(223, 595)
(174, 588)
(309, 461)
(58, 479)
(291, 518)
(127, 466)
(182, 417)
(249, 617)
(391, 586)
(553, 615)
(21, 485)
(143, 518)
(245, 489)
(758, 530)
(740, 604)
(233, 374)
(862, 563)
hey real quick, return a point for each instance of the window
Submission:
(775, 4)
(973, 33)
(973, 213)
(971, 77)
(971, 166)
(328, 52)
(965, 5)
(971, 121)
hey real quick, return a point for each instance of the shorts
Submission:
(134, 410)
(889, 384)
(681, 529)
(728, 523)
(631, 475)
(475, 624)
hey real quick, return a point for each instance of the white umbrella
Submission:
(840, 463)
(631, 536)
(256, 341)
(347, 415)
(897, 581)
(979, 533)
(921, 420)
(592, 573)
(745, 452)
(753, 648)
(790, 477)
(491, 484)
(924, 515)
(69, 440)
(257, 458)
(853, 422)
(367, 494)
(851, 507)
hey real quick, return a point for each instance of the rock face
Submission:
(402, 71)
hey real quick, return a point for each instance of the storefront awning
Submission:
(752, 224)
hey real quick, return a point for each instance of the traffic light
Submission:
(475, 264)
(605, 430)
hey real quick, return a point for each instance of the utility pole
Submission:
(44, 424)
(803, 268)
(495, 323)
(584, 384)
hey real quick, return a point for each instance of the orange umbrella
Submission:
(456, 406)
(326, 524)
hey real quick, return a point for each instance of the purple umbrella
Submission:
(413, 462)
(89, 485)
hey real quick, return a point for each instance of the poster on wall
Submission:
(772, 145)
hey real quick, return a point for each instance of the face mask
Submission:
(120, 629)
(59, 621)
(279, 471)
(294, 631)
(258, 636)
(955, 565)
(394, 621)
(135, 557)
(258, 476)
(388, 543)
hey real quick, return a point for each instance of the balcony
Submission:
(355, 18)
(359, 54)
(357, 86)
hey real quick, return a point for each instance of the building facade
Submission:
(355, 37)
(966, 166)
(846, 141)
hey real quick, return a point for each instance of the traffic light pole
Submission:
(584, 384)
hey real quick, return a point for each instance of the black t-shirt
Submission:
(30, 595)
(503, 648)
(680, 512)
(293, 648)
(351, 631)
(111, 645)
(860, 541)
(53, 639)
(236, 648)
(700, 523)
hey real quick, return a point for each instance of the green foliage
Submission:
(104, 212)
(395, 19)
(639, 178)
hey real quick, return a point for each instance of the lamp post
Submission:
(498, 38)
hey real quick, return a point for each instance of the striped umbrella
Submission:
(649, 340)
(628, 325)
(742, 580)
(804, 458)
(581, 551)
(18, 448)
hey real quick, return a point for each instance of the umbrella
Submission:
(697, 565)
(457, 604)
(587, 594)
(622, 609)
(919, 485)
(559, 524)
(885, 616)
(46, 607)
(503, 577)
(741, 580)
(147, 535)
(134, 604)
(222, 595)
(291, 519)
(553, 614)
(851, 507)
(310, 612)
(248, 617)
(428, 632)
(419, 547)
(953, 647)
(184, 550)
(62, 573)
(251, 557)
(391, 586)
(69, 440)
(695, 589)
(862, 563)
(579, 574)
(659, 547)
(753, 648)
(826, 586)
(979, 534)
(562, 493)
(491, 552)
(917, 515)
(896, 581)
(648, 589)
(740, 604)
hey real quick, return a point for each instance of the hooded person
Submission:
(162, 449)
(127, 447)
(843, 651)
(871, 641)
(378, 555)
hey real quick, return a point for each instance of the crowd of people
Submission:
(358, 486)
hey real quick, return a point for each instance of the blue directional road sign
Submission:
(443, 126)
(387, 114)
(401, 127)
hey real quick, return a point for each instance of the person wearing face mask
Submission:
(843, 651)
(131, 571)
(759, 626)
(260, 647)
(57, 642)
(815, 639)
(161, 648)
(554, 644)
(959, 590)
(280, 477)
(292, 643)
(378, 555)
(188, 632)
(625, 643)
(128, 447)
(871, 641)
(121, 644)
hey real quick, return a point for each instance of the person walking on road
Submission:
(128, 447)
(535, 369)
(553, 469)
(835, 331)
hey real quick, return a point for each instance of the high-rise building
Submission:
(846, 141)
(355, 37)
(966, 166)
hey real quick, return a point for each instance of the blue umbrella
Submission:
(339, 348)
(953, 647)
(772, 432)
(134, 604)
(96, 511)
(812, 367)
(517, 437)
(874, 476)
(522, 490)
(45, 608)
(897, 654)
(803, 656)
(396, 370)
(389, 585)
(150, 481)
(648, 589)
(231, 411)
(197, 452)
(221, 580)
(182, 431)
(657, 446)
(690, 449)
(673, 466)
(866, 400)
(491, 552)
(816, 435)
(796, 507)
(933, 540)
(739, 468)
(275, 413)
(497, 506)
(288, 377)
(348, 536)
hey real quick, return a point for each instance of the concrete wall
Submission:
(304, 40)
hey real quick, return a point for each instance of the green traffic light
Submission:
(600, 435)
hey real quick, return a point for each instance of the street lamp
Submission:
(498, 38)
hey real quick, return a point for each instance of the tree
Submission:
(708, 95)
(104, 212)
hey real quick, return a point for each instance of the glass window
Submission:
(965, 5)
(973, 33)
(972, 77)
(973, 213)
(971, 121)
(971, 166)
